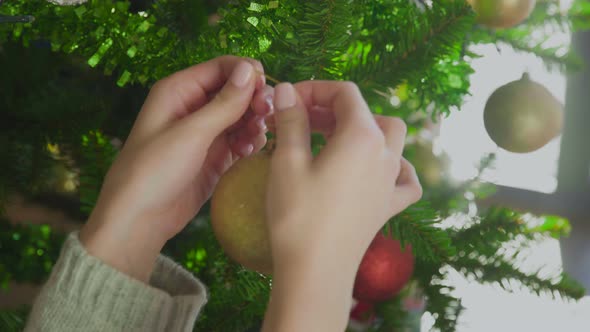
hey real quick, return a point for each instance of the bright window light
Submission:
(464, 139)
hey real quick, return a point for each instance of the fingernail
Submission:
(284, 96)
(261, 82)
(268, 101)
(241, 74)
(262, 124)
(247, 150)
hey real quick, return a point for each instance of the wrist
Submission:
(311, 296)
(325, 252)
(126, 246)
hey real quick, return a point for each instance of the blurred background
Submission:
(463, 138)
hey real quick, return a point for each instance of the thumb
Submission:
(228, 105)
(293, 148)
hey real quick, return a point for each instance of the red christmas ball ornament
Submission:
(384, 270)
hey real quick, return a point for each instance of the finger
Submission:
(228, 106)
(344, 99)
(184, 92)
(395, 131)
(260, 107)
(262, 102)
(261, 78)
(259, 142)
(408, 189)
(293, 149)
(249, 134)
(241, 146)
(321, 120)
(269, 120)
(248, 128)
(256, 126)
(257, 133)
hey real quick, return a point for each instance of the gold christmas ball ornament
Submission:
(238, 213)
(522, 116)
(502, 13)
(429, 167)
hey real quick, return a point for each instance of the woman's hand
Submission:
(192, 127)
(323, 212)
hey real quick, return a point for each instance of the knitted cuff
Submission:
(96, 292)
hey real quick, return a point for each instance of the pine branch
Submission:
(12, 320)
(393, 315)
(184, 18)
(444, 307)
(555, 58)
(320, 37)
(418, 225)
(97, 157)
(500, 271)
(420, 49)
(548, 14)
(579, 15)
(449, 198)
(238, 297)
(104, 33)
(28, 251)
(427, 37)
(490, 231)
(479, 246)
(532, 36)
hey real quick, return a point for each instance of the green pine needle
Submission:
(12, 321)
(419, 226)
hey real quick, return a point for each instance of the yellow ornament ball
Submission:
(502, 13)
(238, 213)
(522, 116)
(429, 167)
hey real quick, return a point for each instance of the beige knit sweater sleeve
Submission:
(85, 294)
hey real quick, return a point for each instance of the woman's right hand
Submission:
(323, 212)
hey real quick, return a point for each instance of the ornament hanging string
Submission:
(270, 78)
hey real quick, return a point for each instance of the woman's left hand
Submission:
(193, 126)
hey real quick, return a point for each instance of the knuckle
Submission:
(223, 96)
(370, 137)
(398, 125)
(228, 58)
(287, 154)
(290, 118)
(168, 84)
(161, 85)
(350, 87)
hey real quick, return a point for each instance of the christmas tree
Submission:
(74, 76)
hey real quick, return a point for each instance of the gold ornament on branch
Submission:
(238, 212)
(500, 14)
(522, 116)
